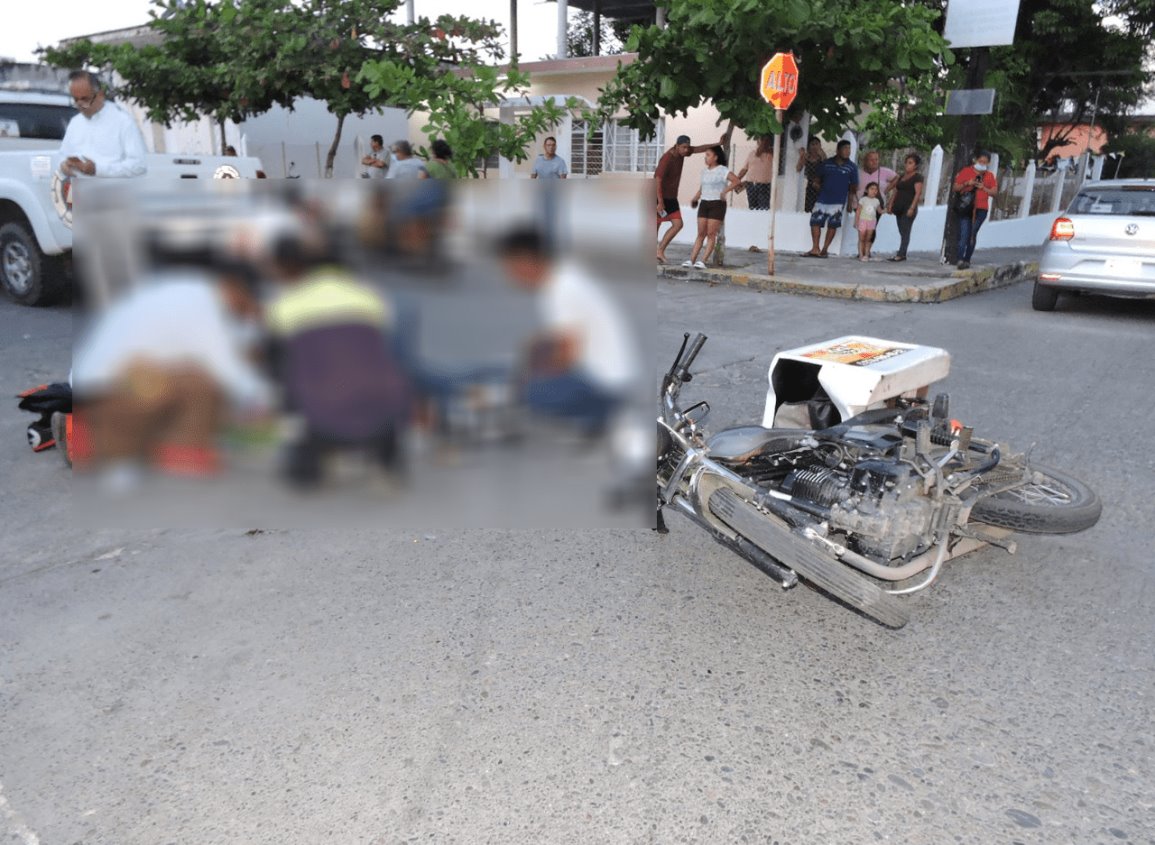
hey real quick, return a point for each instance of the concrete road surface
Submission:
(487, 686)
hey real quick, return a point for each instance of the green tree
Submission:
(613, 34)
(1138, 151)
(907, 114)
(191, 74)
(713, 50)
(1071, 60)
(456, 102)
(232, 59)
(320, 46)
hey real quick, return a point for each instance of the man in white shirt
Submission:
(102, 140)
(376, 163)
(585, 362)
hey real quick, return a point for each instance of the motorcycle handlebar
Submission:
(679, 372)
(695, 347)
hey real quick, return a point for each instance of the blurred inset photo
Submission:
(424, 353)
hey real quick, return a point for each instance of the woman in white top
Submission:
(717, 181)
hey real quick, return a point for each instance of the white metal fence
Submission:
(1022, 192)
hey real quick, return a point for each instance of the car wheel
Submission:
(28, 276)
(1044, 298)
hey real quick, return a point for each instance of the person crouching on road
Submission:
(153, 378)
(334, 354)
(583, 365)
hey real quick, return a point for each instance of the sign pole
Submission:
(778, 85)
(774, 191)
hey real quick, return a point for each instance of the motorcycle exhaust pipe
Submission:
(785, 577)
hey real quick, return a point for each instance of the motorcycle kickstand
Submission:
(660, 526)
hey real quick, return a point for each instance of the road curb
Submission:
(962, 283)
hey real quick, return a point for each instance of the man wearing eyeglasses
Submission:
(102, 139)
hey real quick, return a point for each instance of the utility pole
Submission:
(1094, 114)
(513, 31)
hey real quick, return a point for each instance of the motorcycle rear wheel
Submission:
(1055, 503)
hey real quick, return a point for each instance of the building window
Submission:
(586, 149)
(613, 148)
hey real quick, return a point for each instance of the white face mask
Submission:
(981, 168)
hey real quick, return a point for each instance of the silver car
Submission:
(1105, 243)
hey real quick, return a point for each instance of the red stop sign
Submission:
(779, 80)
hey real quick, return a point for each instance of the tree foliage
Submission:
(321, 46)
(1070, 62)
(1138, 151)
(579, 36)
(233, 59)
(456, 102)
(192, 73)
(713, 50)
(907, 114)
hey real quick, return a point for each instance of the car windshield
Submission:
(1116, 199)
(34, 120)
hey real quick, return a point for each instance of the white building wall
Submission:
(301, 137)
(281, 137)
(745, 228)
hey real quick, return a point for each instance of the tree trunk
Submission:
(332, 156)
(221, 124)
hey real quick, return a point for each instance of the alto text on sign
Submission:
(779, 81)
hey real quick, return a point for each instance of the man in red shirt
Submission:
(979, 180)
(668, 177)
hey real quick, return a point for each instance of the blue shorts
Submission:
(826, 214)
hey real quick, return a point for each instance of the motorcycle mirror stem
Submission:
(678, 358)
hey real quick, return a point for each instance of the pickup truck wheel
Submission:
(29, 276)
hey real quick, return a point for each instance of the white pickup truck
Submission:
(35, 206)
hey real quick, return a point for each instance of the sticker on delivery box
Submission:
(855, 352)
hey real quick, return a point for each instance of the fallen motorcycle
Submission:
(866, 509)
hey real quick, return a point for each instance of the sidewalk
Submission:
(921, 278)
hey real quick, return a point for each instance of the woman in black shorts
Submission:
(717, 181)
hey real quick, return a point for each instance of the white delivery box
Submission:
(857, 373)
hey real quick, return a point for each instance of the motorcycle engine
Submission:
(877, 501)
